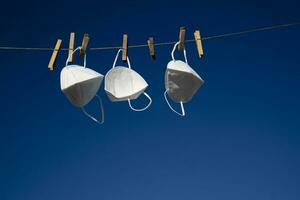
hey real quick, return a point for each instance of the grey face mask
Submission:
(181, 82)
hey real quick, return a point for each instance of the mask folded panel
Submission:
(181, 81)
(80, 84)
(122, 83)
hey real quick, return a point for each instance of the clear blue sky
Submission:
(239, 140)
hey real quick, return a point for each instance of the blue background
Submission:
(239, 140)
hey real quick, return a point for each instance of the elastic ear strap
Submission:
(128, 62)
(116, 58)
(84, 62)
(102, 112)
(181, 104)
(72, 54)
(184, 53)
(142, 109)
(174, 48)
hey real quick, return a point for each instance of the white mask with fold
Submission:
(181, 82)
(80, 85)
(124, 84)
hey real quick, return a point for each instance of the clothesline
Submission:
(265, 28)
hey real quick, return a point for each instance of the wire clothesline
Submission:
(265, 28)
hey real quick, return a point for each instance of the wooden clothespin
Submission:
(54, 54)
(71, 46)
(181, 38)
(124, 47)
(150, 42)
(84, 44)
(198, 43)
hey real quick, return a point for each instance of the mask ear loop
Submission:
(92, 117)
(116, 58)
(128, 62)
(184, 53)
(181, 104)
(141, 109)
(69, 57)
(84, 61)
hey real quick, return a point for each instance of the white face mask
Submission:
(181, 82)
(80, 85)
(125, 84)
